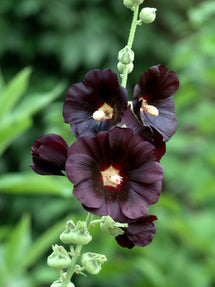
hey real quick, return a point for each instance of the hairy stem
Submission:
(130, 42)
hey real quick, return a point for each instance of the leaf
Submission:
(2, 84)
(18, 244)
(43, 243)
(11, 130)
(30, 183)
(13, 91)
(19, 120)
(35, 102)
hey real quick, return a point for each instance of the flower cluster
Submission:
(115, 162)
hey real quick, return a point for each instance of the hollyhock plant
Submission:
(49, 154)
(115, 173)
(96, 104)
(139, 232)
(114, 164)
(153, 100)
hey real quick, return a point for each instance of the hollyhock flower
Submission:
(96, 104)
(139, 232)
(129, 120)
(153, 100)
(49, 154)
(115, 173)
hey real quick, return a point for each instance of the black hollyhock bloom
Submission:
(96, 104)
(129, 120)
(115, 173)
(139, 233)
(153, 100)
(49, 154)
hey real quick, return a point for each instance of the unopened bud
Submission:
(129, 4)
(121, 67)
(59, 258)
(148, 15)
(111, 227)
(59, 283)
(76, 234)
(92, 262)
(126, 55)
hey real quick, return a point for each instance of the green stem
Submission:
(75, 257)
(130, 42)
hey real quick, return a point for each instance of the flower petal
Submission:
(83, 99)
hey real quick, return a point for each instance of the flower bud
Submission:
(126, 55)
(131, 3)
(59, 258)
(111, 227)
(58, 283)
(76, 234)
(128, 3)
(121, 67)
(92, 262)
(148, 15)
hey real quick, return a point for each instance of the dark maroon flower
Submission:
(96, 104)
(129, 120)
(153, 100)
(139, 233)
(49, 154)
(115, 174)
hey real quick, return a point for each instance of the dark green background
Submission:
(58, 42)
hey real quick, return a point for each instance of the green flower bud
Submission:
(121, 67)
(131, 3)
(126, 55)
(58, 283)
(111, 227)
(138, 1)
(65, 236)
(59, 258)
(148, 15)
(92, 262)
(76, 234)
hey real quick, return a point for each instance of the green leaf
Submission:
(19, 120)
(13, 91)
(30, 183)
(12, 129)
(44, 242)
(35, 102)
(18, 244)
(2, 84)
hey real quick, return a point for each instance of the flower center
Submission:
(152, 110)
(111, 177)
(105, 112)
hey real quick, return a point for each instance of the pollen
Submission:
(152, 110)
(111, 177)
(105, 112)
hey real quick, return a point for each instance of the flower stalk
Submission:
(130, 41)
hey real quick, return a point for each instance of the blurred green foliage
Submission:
(47, 46)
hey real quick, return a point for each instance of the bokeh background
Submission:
(46, 46)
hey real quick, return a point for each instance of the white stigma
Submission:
(111, 177)
(152, 110)
(98, 115)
